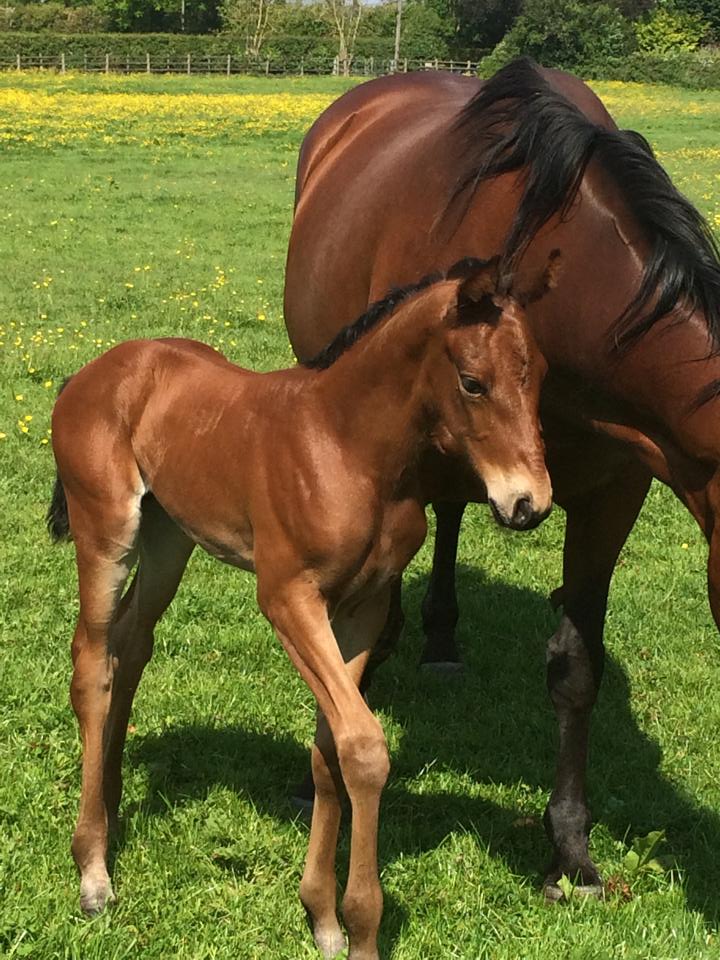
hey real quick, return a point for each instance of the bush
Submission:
(698, 69)
(667, 30)
(568, 34)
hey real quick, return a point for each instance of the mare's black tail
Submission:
(57, 519)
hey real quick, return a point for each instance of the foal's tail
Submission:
(57, 519)
(57, 516)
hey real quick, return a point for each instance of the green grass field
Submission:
(155, 206)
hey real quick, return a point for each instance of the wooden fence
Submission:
(228, 64)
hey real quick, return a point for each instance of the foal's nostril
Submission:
(523, 513)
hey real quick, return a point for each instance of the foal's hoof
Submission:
(330, 943)
(95, 895)
(553, 894)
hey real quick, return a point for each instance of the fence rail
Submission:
(229, 64)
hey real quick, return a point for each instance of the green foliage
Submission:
(641, 856)
(697, 69)
(53, 16)
(707, 10)
(569, 34)
(567, 887)
(667, 30)
(161, 15)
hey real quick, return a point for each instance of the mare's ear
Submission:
(547, 280)
(477, 279)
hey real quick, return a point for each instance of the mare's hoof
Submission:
(447, 668)
(553, 894)
(94, 897)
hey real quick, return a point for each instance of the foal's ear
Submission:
(547, 280)
(478, 279)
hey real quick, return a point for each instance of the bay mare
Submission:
(311, 477)
(400, 175)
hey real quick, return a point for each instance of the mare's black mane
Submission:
(381, 309)
(518, 122)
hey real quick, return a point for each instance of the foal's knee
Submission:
(364, 761)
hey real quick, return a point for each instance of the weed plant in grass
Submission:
(161, 206)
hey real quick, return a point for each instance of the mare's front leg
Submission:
(598, 523)
(439, 606)
(349, 755)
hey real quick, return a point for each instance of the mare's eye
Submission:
(473, 387)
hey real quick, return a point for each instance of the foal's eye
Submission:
(473, 387)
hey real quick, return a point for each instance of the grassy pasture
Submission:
(152, 206)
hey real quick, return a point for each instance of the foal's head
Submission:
(484, 385)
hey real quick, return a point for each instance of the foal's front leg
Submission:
(350, 752)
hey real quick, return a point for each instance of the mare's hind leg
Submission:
(163, 553)
(439, 606)
(105, 535)
(598, 523)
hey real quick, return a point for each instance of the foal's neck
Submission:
(374, 396)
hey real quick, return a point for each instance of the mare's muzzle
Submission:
(521, 515)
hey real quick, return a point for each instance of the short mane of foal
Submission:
(316, 478)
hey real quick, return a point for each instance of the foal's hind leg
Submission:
(598, 523)
(163, 553)
(105, 537)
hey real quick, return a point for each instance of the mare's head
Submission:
(483, 380)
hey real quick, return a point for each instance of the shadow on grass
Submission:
(495, 723)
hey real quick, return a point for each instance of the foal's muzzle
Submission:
(522, 515)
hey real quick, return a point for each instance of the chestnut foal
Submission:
(312, 477)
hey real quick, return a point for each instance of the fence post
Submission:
(188, 64)
(85, 70)
(127, 64)
(302, 66)
(17, 61)
(405, 66)
(147, 63)
(228, 64)
(372, 65)
(469, 68)
(436, 63)
(62, 63)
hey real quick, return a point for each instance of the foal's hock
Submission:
(316, 479)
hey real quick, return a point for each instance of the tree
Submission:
(574, 35)
(251, 19)
(345, 15)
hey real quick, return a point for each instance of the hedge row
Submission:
(176, 46)
(119, 45)
(699, 69)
